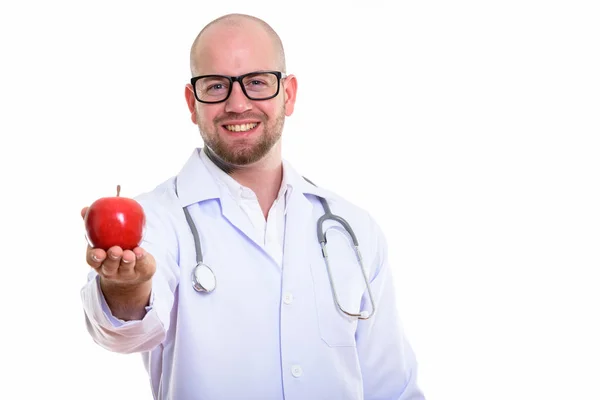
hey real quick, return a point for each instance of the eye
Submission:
(260, 83)
(216, 86)
(256, 82)
(212, 85)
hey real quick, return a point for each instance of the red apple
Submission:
(115, 221)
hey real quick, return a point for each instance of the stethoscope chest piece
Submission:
(203, 278)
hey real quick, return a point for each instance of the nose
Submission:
(237, 101)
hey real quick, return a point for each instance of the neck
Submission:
(263, 177)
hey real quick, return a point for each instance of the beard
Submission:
(242, 151)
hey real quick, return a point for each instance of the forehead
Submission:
(234, 49)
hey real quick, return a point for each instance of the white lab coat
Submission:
(267, 331)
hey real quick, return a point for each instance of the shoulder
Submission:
(371, 238)
(160, 204)
(162, 194)
(342, 205)
(361, 220)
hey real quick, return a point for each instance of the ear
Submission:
(290, 86)
(191, 102)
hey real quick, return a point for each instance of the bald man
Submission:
(229, 295)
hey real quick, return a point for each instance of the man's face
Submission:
(239, 130)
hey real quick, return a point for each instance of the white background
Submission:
(469, 129)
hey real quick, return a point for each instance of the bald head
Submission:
(226, 30)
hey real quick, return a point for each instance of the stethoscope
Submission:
(204, 280)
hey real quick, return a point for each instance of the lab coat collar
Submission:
(236, 189)
(301, 185)
(196, 184)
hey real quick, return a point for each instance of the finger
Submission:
(95, 257)
(128, 257)
(84, 211)
(139, 252)
(111, 263)
(145, 263)
(128, 264)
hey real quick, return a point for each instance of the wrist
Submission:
(126, 301)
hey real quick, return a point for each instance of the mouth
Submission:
(241, 128)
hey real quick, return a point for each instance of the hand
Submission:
(125, 278)
(118, 267)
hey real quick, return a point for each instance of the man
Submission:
(273, 327)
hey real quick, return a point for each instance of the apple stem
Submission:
(118, 190)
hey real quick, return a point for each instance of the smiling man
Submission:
(231, 294)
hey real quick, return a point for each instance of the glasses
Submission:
(213, 89)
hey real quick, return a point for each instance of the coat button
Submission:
(288, 298)
(297, 371)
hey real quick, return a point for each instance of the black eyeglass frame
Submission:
(239, 79)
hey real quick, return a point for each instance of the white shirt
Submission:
(270, 232)
(267, 331)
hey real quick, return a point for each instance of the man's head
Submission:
(240, 130)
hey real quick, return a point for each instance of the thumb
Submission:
(84, 211)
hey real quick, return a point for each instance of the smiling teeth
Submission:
(240, 128)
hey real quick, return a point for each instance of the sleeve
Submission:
(387, 360)
(144, 335)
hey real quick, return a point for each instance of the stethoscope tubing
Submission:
(328, 215)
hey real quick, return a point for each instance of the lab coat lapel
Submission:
(237, 218)
(299, 226)
(195, 184)
(301, 220)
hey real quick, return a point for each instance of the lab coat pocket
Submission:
(335, 327)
